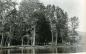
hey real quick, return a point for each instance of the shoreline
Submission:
(37, 47)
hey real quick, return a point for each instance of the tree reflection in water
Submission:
(41, 50)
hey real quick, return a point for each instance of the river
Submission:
(41, 50)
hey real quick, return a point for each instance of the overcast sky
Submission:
(72, 7)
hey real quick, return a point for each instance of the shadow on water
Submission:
(42, 50)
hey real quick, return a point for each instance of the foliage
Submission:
(41, 24)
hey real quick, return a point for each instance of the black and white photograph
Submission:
(42, 26)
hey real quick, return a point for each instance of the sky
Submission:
(72, 7)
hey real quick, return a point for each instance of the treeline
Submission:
(35, 24)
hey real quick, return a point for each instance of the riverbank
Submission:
(38, 47)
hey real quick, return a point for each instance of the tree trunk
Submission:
(9, 37)
(34, 33)
(6, 41)
(59, 40)
(8, 44)
(52, 37)
(61, 32)
(2, 40)
(56, 38)
(22, 41)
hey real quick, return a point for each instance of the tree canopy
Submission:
(40, 23)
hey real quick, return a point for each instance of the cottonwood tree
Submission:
(28, 9)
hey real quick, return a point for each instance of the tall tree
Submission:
(62, 25)
(29, 9)
(5, 7)
(49, 13)
(42, 29)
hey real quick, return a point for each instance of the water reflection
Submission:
(41, 50)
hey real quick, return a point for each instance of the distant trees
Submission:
(73, 25)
